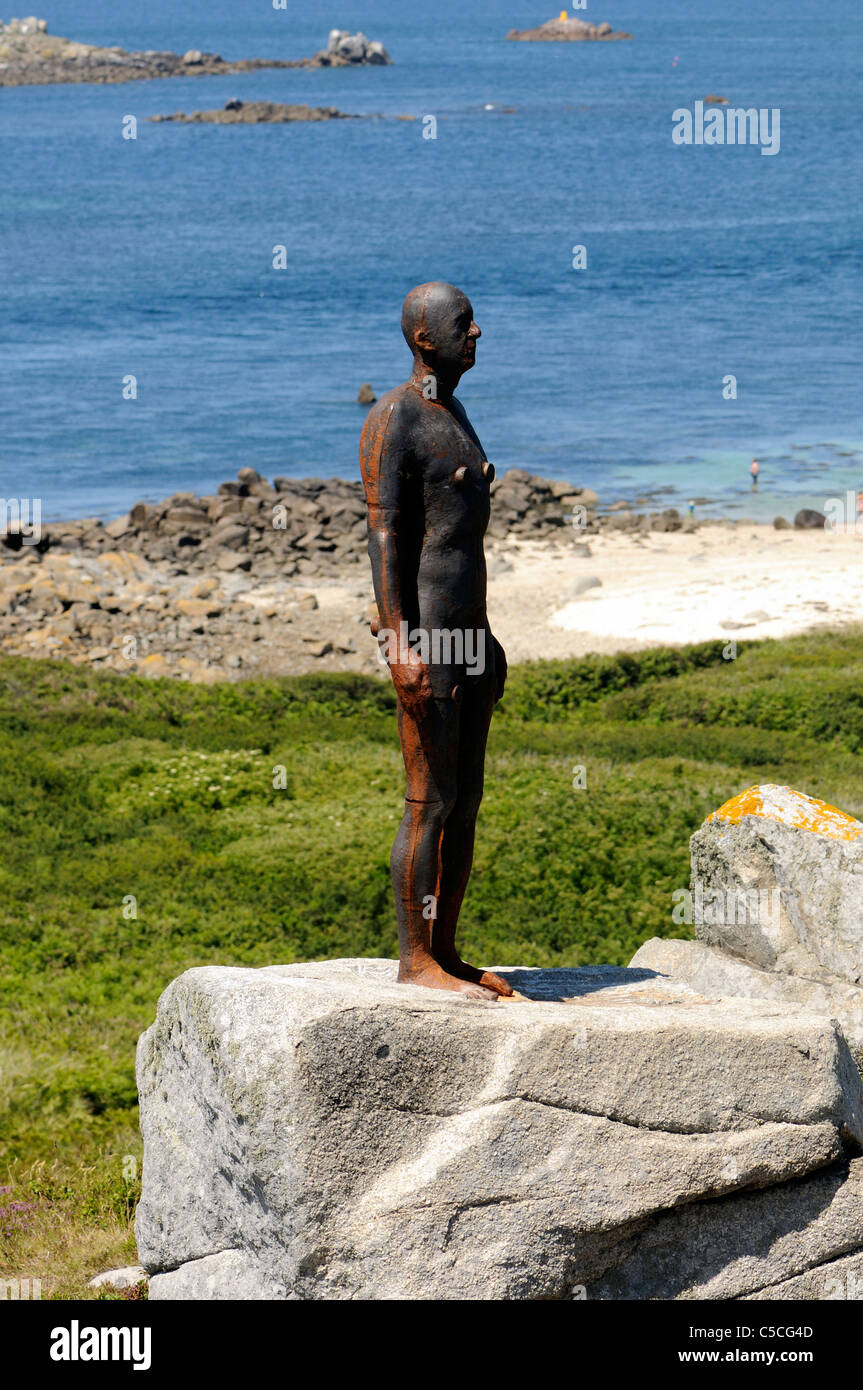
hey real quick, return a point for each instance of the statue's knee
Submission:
(442, 808)
(435, 810)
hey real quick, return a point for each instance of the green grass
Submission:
(143, 835)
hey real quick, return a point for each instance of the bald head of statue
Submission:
(439, 329)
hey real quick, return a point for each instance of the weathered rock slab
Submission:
(746, 1245)
(713, 972)
(318, 1131)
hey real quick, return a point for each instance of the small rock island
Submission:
(30, 56)
(567, 29)
(236, 112)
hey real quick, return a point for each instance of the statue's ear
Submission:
(422, 342)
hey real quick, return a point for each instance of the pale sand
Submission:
(661, 589)
(667, 588)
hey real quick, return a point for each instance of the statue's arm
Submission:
(384, 468)
(387, 467)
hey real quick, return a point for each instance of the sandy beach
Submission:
(661, 589)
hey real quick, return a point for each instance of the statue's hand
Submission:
(500, 669)
(413, 683)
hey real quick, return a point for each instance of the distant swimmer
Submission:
(754, 471)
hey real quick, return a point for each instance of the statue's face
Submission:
(454, 333)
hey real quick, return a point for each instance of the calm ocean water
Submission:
(154, 257)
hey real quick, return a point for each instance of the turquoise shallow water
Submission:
(154, 257)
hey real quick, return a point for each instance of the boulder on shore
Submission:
(776, 899)
(807, 519)
(318, 1131)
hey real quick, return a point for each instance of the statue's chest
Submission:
(457, 476)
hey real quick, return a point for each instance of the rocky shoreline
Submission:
(31, 56)
(215, 587)
(569, 30)
(265, 578)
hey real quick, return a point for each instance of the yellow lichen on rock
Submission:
(790, 807)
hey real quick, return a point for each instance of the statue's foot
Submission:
(486, 978)
(433, 976)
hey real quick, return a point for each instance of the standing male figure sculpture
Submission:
(427, 483)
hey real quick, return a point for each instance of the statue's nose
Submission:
(475, 330)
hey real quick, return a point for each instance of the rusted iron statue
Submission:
(427, 484)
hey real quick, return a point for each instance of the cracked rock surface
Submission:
(318, 1131)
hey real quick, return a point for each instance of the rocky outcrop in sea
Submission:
(236, 112)
(30, 55)
(568, 30)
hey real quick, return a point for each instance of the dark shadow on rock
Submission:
(561, 985)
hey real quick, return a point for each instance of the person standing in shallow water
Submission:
(754, 471)
(427, 484)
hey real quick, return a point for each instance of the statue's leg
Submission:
(430, 746)
(460, 829)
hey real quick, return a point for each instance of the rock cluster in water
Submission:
(30, 55)
(236, 112)
(345, 50)
(568, 30)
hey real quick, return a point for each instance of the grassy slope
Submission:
(117, 788)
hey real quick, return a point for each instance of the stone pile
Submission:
(118, 611)
(214, 587)
(224, 585)
(295, 526)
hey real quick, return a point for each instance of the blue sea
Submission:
(153, 257)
